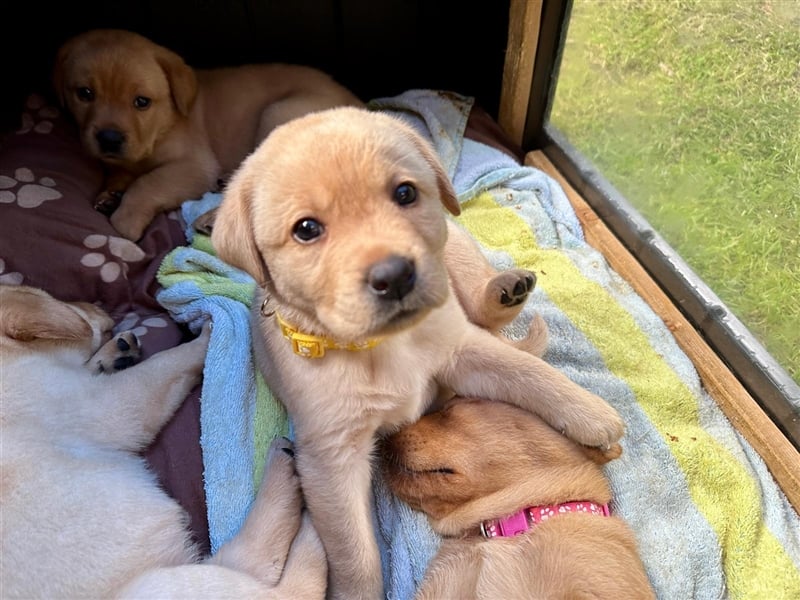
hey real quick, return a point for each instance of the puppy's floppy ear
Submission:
(181, 77)
(446, 191)
(232, 233)
(43, 319)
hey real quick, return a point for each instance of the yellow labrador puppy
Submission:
(339, 217)
(169, 132)
(82, 516)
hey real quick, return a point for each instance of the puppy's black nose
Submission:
(110, 141)
(392, 278)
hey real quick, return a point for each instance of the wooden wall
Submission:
(376, 47)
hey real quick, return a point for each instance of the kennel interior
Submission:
(710, 476)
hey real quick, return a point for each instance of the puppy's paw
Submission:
(194, 351)
(108, 201)
(504, 297)
(280, 486)
(120, 352)
(510, 288)
(205, 334)
(205, 223)
(130, 224)
(598, 425)
(280, 463)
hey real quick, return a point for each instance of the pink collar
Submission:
(525, 519)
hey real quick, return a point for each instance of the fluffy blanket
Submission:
(710, 520)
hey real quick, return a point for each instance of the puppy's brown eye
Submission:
(84, 93)
(307, 230)
(141, 102)
(405, 194)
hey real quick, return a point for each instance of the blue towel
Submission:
(197, 287)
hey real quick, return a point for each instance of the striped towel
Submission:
(710, 520)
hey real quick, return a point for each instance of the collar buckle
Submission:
(308, 348)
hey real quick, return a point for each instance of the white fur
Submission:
(82, 516)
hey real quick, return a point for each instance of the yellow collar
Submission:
(314, 346)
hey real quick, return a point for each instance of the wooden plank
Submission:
(523, 38)
(780, 456)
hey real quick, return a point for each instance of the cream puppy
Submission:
(339, 217)
(82, 516)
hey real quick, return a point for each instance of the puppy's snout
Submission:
(110, 141)
(392, 278)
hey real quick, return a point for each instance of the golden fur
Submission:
(477, 460)
(192, 126)
(351, 172)
(82, 516)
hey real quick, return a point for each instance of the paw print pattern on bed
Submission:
(122, 252)
(37, 116)
(23, 189)
(141, 325)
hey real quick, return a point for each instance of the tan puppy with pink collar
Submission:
(523, 510)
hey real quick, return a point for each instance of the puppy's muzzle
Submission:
(392, 278)
(110, 141)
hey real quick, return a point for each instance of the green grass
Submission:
(691, 108)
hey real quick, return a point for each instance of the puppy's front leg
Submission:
(336, 485)
(305, 573)
(484, 366)
(490, 298)
(261, 546)
(162, 189)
